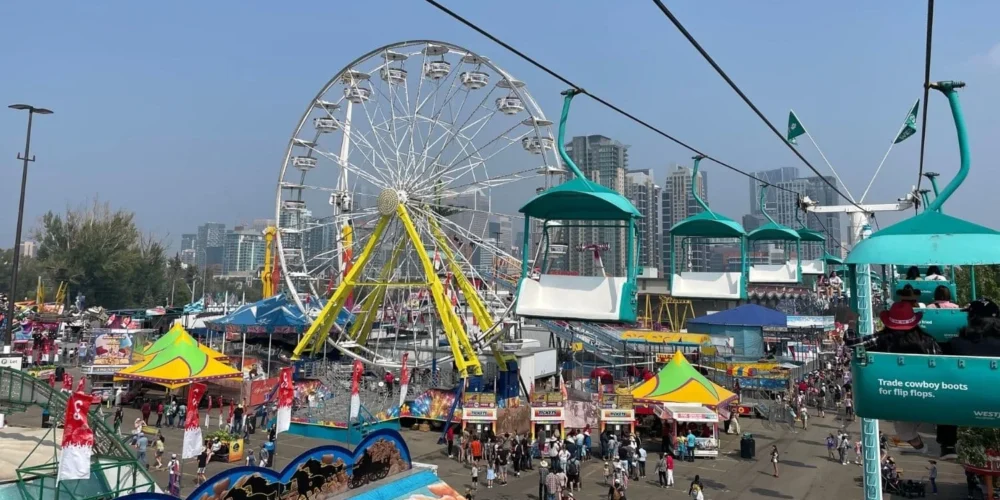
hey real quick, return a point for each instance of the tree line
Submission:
(101, 253)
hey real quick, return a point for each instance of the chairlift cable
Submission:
(927, 87)
(600, 100)
(736, 88)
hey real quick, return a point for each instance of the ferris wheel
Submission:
(387, 191)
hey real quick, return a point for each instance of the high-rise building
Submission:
(29, 249)
(642, 191)
(783, 205)
(208, 245)
(243, 252)
(262, 224)
(604, 161)
(188, 241)
(188, 257)
(678, 204)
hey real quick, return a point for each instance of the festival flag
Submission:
(286, 394)
(795, 127)
(404, 380)
(221, 422)
(910, 125)
(355, 387)
(67, 383)
(192, 428)
(82, 384)
(232, 411)
(562, 387)
(52, 380)
(77, 440)
(791, 350)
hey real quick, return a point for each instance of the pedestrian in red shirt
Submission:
(159, 414)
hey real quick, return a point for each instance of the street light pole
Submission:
(9, 337)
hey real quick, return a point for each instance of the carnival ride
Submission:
(951, 390)
(688, 283)
(788, 271)
(584, 204)
(410, 186)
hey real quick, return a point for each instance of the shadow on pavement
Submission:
(794, 463)
(769, 493)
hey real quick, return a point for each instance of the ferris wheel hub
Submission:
(388, 200)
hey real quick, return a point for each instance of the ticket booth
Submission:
(479, 420)
(680, 419)
(548, 422)
(618, 421)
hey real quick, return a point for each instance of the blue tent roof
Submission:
(745, 315)
(276, 314)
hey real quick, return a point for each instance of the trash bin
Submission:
(269, 446)
(45, 418)
(748, 446)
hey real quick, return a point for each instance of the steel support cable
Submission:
(607, 104)
(736, 88)
(927, 88)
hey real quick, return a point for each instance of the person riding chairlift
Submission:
(910, 295)
(942, 299)
(901, 334)
(934, 274)
(913, 274)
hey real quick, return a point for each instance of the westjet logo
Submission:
(991, 415)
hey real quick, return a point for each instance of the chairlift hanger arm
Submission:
(879, 207)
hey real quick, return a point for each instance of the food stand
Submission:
(684, 417)
(479, 412)
(109, 350)
(548, 417)
(617, 413)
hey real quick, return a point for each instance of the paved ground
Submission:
(805, 471)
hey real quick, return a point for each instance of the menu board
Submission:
(552, 398)
(617, 401)
(479, 400)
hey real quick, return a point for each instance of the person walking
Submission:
(642, 462)
(146, 410)
(159, 414)
(264, 456)
(174, 471)
(450, 439)
(774, 459)
(543, 479)
(670, 471)
(141, 443)
(661, 471)
(695, 485)
(119, 417)
(158, 454)
(932, 476)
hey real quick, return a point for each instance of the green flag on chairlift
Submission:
(795, 127)
(910, 126)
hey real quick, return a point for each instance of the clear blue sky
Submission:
(181, 111)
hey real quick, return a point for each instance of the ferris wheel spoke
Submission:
(379, 140)
(472, 114)
(453, 173)
(354, 169)
(464, 233)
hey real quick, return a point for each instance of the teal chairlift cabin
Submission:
(788, 271)
(688, 283)
(578, 203)
(951, 390)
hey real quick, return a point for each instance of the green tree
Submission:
(101, 253)
(987, 283)
(28, 272)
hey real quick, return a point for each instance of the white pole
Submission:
(243, 360)
(893, 143)
(269, 336)
(849, 195)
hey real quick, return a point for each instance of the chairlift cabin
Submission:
(952, 390)
(578, 203)
(788, 271)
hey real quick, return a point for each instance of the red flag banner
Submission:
(78, 439)
(192, 429)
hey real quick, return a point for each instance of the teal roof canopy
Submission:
(807, 234)
(580, 199)
(709, 225)
(829, 258)
(772, 231)
(931, 238)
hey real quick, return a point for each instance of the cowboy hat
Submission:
(908, 293)
(544, 463)
(901, 317)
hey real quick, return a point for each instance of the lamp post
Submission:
(9, 339)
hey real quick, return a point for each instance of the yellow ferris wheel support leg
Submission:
(476, 305)
(320, 328)
(466, 359)
(371, 304)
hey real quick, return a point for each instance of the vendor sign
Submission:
(617, 415)
(547, 415)
(479, 400)
(13, 362)
(113, 349)
(479, 414)
(552, 398)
